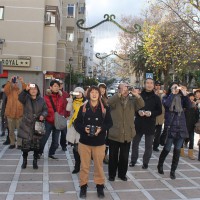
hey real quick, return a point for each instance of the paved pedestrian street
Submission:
(54, 181)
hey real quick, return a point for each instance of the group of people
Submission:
(98, 125)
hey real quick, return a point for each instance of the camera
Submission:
(74, 93)
(93, 130)
(14, 80)
(32, 85)
(130, 88)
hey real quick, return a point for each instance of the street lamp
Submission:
(70, 72)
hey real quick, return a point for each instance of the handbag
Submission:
(165, 133)
(197, 127)
(60, 122)
(39, 127)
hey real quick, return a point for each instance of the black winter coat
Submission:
(146, 125)
(26, 128)
(192, 117)
(177, 122)
(3, 106)
(93, 118)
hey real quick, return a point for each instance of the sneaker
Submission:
(144, 166)
(106, 160)
(64, 148)
(12, 146)
(3, 134)
(100, 192)
(156, 149)
(7, 142)
(111, 178)
(83, 191)
(53, 157)
(131, 164)
(123, 178)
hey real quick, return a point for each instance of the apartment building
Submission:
(35, 39)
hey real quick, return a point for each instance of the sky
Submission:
(106, 35)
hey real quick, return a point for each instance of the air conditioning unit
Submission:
(47, 20)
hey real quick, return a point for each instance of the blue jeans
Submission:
(55, 137)
(178, 142)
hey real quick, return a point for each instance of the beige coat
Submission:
(14, 109)
(123, 128)
(160, 118)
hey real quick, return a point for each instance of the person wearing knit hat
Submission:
(73, 106)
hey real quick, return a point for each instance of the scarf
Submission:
(77, 103)
(124, 101)
(176, 105)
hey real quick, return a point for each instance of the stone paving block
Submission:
(60, 177)
(93, 196)
(61, 162)
(6, 177)
(63, 196)
(191, 173)
(8, 169)
(130, 195)
(31, 177)
(8, 162)
(180, 183)
(28, 197)
(123, 185)
(191, 193)
(58, 168)
(142, 175)
(152, 185)
(4, 187)
(61, 187)
(184, 166)
(10, 156)
(163, 194)
(29, 169)
(3, 196)
(29, 187)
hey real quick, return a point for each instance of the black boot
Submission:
(83, 191)
(35, 165)
(100, 192)
(175, 161)
(7, 142)
(161, 160)
(24, 164)
(77, 161)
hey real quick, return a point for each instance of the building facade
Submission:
(35, 39)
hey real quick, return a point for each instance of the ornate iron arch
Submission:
(108, 18)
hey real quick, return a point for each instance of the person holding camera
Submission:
(123, 107)
(14, 108)
(75, 101)
(145, 123)
(35, 109)
(53, 99)
(91, 123)
(175, 101)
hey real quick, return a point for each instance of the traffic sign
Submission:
(149, 75)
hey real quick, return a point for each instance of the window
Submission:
(87, 40)
(70, 34)
(82, 8)
(1, 12)
(71, 10)
(52, 17)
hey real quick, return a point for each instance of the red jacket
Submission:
(65, 95)
(59, 104)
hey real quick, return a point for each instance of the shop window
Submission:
(70, 34)
(1, 12)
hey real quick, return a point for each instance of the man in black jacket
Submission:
(145, 123)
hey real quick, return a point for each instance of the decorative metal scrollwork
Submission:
(98, 55)
(108, 18)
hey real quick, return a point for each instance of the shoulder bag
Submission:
(60, 122)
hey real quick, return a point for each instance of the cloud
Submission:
(106, 35)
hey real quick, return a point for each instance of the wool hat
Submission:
(103, 85)
(79, 89)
